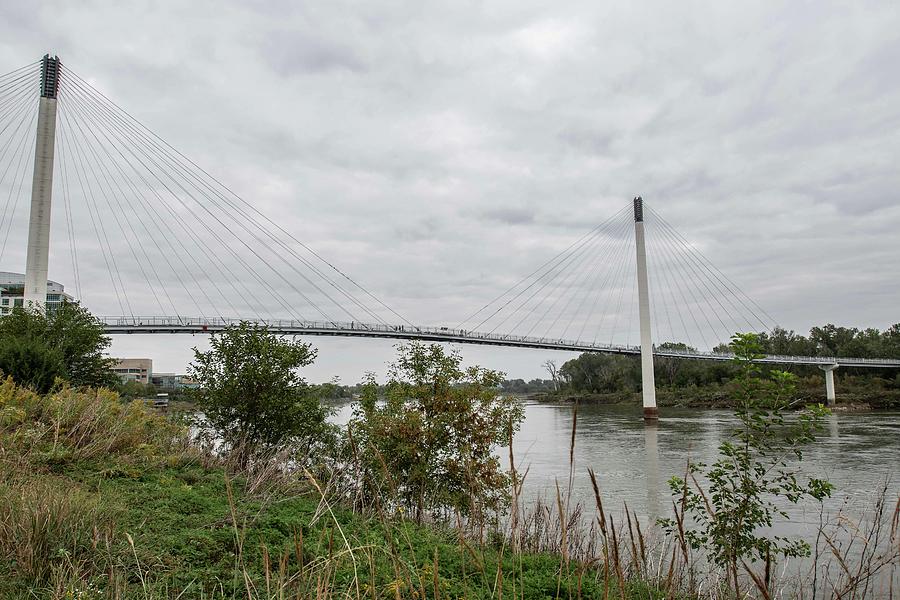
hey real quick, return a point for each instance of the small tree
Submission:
(67, 342)
(252, 395)
(431, 440)
(752, 479)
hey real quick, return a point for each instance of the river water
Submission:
(859, 453)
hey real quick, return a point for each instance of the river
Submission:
(859, 453)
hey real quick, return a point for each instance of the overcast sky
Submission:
(437, 152)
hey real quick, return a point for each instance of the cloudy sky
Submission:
(438, 152)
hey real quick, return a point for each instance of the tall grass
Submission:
(69, 544)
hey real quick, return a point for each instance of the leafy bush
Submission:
(429, 443)
(752, 476)
(252, 395)
(67, 342)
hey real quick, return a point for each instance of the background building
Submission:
(172, 381)
(134, 369)
(12, 292)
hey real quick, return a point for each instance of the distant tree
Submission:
(135, 389)
(550, 366)
(68, 341)
(252, 394)
(431, 440)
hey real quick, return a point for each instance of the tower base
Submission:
(651, 413)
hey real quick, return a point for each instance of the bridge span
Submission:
(208, 325)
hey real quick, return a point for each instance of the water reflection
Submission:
(651, 468)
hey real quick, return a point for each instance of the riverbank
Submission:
(852, 396)
(104, 499)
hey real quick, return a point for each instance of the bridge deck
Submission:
(204, 325)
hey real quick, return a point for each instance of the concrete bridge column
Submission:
(648, 383)
(37, 256)
(829, 383)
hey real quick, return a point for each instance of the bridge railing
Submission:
(195, 324)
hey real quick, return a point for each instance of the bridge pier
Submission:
(829, 383)
(37, 256)
(648, 382)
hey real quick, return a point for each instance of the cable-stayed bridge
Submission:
(149, 232)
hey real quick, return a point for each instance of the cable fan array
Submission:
(149, 232)
(19, 94)
(588, 292)
(167, 237)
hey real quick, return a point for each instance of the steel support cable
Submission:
(13, 141)
(196, 182)
(621, 262)
(119, 142)
(553, 273)
(153, 220)
(608, 243)
(64, 141)
(547, 276)
(662, 274)
(579, 241)
(70, 224)
(601, 286)
(18, 109)
(631, 305)
(680, 277)
(109, 178)
(224, 226)
(215, 260)
(21, 79)
(735, 289)
(152, 135)
(671, 288)
(115, 213)
(13, 98)
(716, 292)
(713, 293)
(20, 69)
(23, 163)
(148, 150)
(626, 271)
(594, 277)
(93, 207)
(222, 186)
(548, 268)
(570, 273)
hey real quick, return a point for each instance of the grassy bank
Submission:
(103, 499)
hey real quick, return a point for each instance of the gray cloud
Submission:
(438, 152)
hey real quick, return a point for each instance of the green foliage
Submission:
(429, 443)
(67, 342)
(30, 362)
(754, 474)
(252, 394)
(135, 389)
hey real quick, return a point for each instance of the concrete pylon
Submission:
(829, 383)
(648, 382)
(38, 252)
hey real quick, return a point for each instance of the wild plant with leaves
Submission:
(756, 475)
(429, 441)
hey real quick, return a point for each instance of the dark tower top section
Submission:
(638, 209)
(49, 76)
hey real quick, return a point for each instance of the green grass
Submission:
(103, 500)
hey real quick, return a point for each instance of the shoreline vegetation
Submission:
(101, 497)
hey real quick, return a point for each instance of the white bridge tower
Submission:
(648, 382)
(38, 253)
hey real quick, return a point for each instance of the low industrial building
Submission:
(134, 369)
